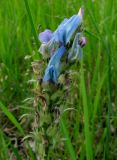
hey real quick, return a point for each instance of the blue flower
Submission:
(55, 44)
(53, 69)
(76, 51)
(62, 35)
(45, 36)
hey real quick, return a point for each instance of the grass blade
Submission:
(89, 152)
(11, 118)
(31, 22)
(68, 141)
(16, 153)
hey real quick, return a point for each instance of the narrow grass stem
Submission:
(89, 152)
(68, 141)
(31, 22)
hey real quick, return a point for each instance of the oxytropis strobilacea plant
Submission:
(61, 51)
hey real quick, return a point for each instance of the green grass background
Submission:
(96, 79)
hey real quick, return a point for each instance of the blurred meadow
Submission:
(81, 125)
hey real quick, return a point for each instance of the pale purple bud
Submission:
(83, 41)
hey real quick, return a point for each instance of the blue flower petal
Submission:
(45, 36)
(66, 29)
(71, 27)
(76, 50)
(63, 22)
(53, 70)
(50, 75)
(63, 33)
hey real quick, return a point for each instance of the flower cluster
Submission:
(55, 45)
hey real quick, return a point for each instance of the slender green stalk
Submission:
(31, 22)
(109, 90)
(89, 152)
(11, 118)
(67, 139)
(15, 151)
